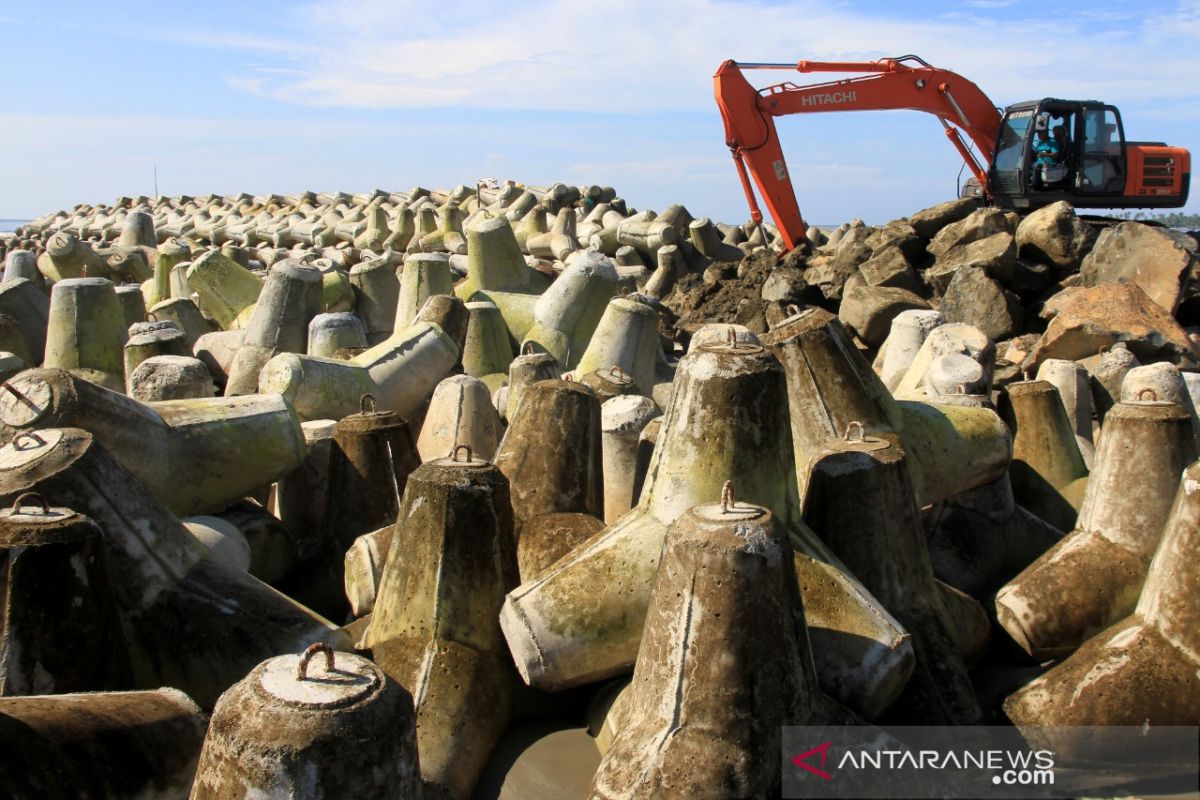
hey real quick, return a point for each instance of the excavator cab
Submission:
(1092, 165)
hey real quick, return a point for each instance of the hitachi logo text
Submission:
(829, 98)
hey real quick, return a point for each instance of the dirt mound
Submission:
(725, 292)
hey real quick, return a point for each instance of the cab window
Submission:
(1011, 145)
(1101, 135)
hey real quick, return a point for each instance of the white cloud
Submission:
(624, 57)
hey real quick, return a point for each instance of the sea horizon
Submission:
(10, 225)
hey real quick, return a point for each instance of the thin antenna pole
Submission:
(156, 195)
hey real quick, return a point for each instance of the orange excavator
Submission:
(1031, 154)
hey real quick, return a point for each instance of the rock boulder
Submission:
(1083, 319)
(996, 253)
(869, 310)
(974, 298)
(890, 266)
(978, 225)
(1055, 236)
(929, 221)
(1161, 261)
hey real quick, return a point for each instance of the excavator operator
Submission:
(1047, 155)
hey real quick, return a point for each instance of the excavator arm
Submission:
(892, 84)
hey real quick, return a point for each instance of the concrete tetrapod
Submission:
(954, 376)
(451, 315)
(1191, 380)
(133, 306)
(227, 290)
(646, 235)
(311, 727)
(548, 537)
(138, 230)
(1107, 376)
(1074, 389)
(581, 620)
(608, 383)
(363, 569)
(860, 501)
(1093, 577)
(376, 292)
(449, 235)
(26, 302)
(723, 665)
(403, 226)
(1166, 382)
(422, 276)
(372, 455)
(647, 441)
(524, 371)
(302, 502)
(66, 257)
(979, 540)
(460, 412)
(59, 631)
(626, 337)
(337, 293)
(434, 625)
(560, 241)
(329, 333)
(189, 622)
(670, 267)
(487, 350)
(115, 745)
(400, 373)
(10, 365)
(272, 546)
(426, 223)
(567, 313)
(161, 378)
(22, 264)
(622, 420)
(179, 284)
(225, 541)
(546, 474)
(953, 337)
(190, 453)
(278, 324)
(163, 340)
(1048, 474)
(186, 316)
(86, 332)
(171, 253)
(1145, 670)
(494, 260)
(531, 226)
(707, 239)
(951, 448)
(908, 332)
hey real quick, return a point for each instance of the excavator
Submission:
(1089, 163)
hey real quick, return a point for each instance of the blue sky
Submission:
(357, 94)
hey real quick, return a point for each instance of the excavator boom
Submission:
(890, 84)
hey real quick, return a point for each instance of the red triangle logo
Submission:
(801, 760)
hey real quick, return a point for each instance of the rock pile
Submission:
(515, 491)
